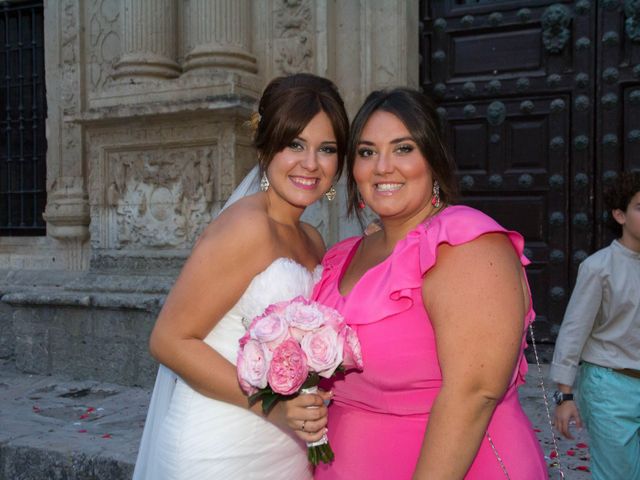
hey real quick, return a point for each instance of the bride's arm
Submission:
(232, 250)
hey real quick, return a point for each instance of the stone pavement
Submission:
(56, 429)
(574, 454)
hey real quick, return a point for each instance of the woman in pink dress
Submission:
(440, 303)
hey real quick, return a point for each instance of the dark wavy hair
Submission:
(419, 115)
(288, 104)
(618, 195)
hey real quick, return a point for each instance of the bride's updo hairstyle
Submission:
(420, 117)
(287, 105)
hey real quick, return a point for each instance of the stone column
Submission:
(217, 35)
(149, 39)
(67, 210)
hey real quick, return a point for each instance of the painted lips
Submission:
(305, 183)
(387, 188)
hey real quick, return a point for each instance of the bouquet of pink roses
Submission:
(288, 348)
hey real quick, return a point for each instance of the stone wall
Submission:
(147, 101)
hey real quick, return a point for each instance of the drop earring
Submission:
(435, 195)
(361, 203)
(264, 182)
(331, 193)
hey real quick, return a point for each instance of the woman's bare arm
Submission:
(475, 299)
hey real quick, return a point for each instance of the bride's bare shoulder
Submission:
(240, 229)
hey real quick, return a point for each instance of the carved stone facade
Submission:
(146, 105)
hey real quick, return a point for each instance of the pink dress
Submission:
(378, 416)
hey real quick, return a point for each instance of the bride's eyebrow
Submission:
(324, 142)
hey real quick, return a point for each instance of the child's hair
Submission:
(618, 196)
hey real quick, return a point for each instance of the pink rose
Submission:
(304, 316)
(352, 351)
(288, 369)
(323, 350)
(252, 366)
(270, 329)
(331, 317)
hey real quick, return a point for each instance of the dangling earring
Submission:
(435, 196)
(264, 182)
(331, 193)
(361, 204)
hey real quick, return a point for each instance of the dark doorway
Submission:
(542, 103)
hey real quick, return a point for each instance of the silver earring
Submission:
(435, 194)
(264, 182)
(331, 193)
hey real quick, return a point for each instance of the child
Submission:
(601, 331)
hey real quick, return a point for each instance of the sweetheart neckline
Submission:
(293, 262)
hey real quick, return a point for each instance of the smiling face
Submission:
(392, 174)
(304, 170)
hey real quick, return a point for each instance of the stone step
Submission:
(56, 428)
(62, 429)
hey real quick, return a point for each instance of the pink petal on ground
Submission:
(106, 435)
(553, 454)
(582, 445)
(82, 431)
(571, 453)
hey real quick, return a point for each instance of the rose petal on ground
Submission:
(106, 435)
(582, 445)
(553, 454)
(583, 468)
(571, 453)
(82, 431)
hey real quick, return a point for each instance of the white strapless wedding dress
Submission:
(199, 438)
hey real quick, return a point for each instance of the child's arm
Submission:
(580, 316)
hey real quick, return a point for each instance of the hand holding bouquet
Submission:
(288, 348)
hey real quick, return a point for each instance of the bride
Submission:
(255, 253)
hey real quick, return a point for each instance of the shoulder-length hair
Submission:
(418, 113)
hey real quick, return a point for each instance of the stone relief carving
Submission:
(69, 55)
(293, 32)
(161, 197)
(103, 41)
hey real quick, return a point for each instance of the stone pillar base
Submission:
(146, 65)
(227, 58)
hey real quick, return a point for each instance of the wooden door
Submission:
(542, 107)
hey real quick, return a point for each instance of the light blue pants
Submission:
(609, 404)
